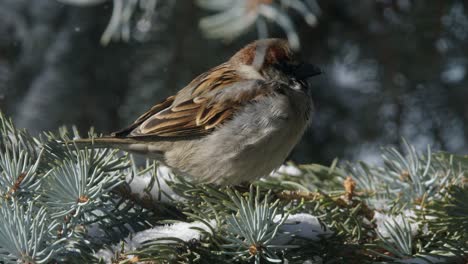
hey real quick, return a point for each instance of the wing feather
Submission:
(207, 102)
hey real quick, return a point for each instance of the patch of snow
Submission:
(287, 169)
(106, 254)
(300, 225)
(181, 230)
(160, 191)
(379, 204)
(392, 220)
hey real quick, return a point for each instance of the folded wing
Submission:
(207, 102)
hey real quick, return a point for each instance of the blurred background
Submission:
(394, 68)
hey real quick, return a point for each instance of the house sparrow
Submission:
(232, 124)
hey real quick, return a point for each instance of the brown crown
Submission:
(272, 51)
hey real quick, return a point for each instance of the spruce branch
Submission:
(449, 214)
(204, 199)
(250, 232)
(344, 211)
(306, 178)
(397, 241)
(123, 11)
(406, 178)
(16, 140)
(447, 221)
(234, 18)
(77, 184)
(19, 174)
(26, 234)
(92, 197)
(153, 196)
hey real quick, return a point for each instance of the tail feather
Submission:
(104, 142)
(127, 144)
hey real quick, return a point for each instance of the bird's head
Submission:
(273, 59)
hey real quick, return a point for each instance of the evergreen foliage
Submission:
(62, 204)
(68, 205)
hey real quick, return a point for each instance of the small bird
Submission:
(232, 124)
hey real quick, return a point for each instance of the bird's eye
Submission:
(284, 67)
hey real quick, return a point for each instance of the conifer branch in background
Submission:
(63, 204)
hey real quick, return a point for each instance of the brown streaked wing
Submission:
(155, 109)
(200, 107)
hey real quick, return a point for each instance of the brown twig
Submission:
(16, 185)
(349, 186)
(314, 196)
(298, 195)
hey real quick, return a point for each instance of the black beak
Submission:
(306, 70)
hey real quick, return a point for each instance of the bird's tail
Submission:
(126, 144)
(102, 142)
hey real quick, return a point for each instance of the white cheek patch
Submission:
(249, 72)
